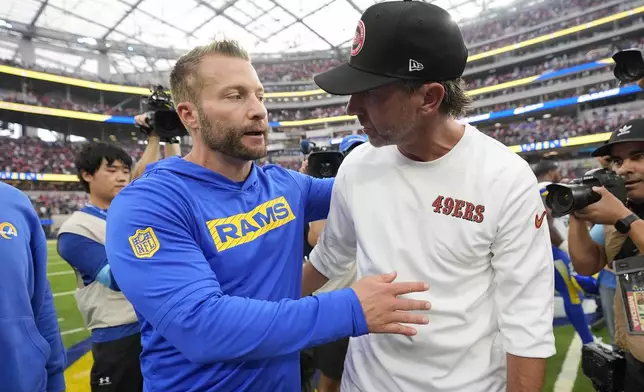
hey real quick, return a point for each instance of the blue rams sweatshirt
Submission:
(214, 268)
(33, 356)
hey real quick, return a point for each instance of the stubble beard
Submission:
(227, 139)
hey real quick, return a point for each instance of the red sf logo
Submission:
(538, 220)
(358, 39)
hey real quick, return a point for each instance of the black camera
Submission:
(162, 118)
(629, 65)
(562, 199)
(604, 367)
(324, 162)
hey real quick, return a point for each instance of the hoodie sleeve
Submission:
(44, 311)
(316, 193)
(157, 260)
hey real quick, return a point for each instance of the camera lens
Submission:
(633, 71)
(560, 200)
(326, 170)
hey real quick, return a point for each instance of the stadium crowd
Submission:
(474, 32)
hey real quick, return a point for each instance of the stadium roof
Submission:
(263, 26)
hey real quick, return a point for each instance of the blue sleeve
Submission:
(597, 234)
(317, 195)
(47, 324)
(88, 257)
(45, 316)
(155, 256)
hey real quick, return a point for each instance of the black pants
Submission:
(117, 367)
(329, 358)
(634, 378)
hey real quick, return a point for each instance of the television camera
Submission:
(629, 65)
(324, 161)
(162, 118)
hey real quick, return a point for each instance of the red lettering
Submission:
(458, 213)
(449, 206)
(469, 210)
(479, 214)
(438, 203)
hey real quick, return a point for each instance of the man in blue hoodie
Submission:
(30, 343)
(208, 248)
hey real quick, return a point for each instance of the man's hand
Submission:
(607, 211)
(304, 169)
(141, 120)
(383, 310)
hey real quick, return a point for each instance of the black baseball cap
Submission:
(399, 40)
(632, 131)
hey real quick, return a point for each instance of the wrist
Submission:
(623, 213)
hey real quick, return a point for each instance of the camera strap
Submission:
(628, 249)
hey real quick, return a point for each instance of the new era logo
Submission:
(415, 65)
(626, 129)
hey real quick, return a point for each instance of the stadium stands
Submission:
(563, 65)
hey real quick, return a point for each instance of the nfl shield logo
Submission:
(144, 243)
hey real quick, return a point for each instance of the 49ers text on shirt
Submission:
(459, 209)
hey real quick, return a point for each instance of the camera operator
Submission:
(626, 149)
(152, 151)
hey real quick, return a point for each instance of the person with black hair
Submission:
(103, 170)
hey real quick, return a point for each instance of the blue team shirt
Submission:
(33, 356)
(213, 269)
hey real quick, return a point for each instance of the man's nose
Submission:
(354, 107)
(258, 110)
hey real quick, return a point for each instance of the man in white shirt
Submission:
(437, 201)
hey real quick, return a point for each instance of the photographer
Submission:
(621, 222)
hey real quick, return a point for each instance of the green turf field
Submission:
(63, 283)
(71, 326)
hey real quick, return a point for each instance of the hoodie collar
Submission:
(184, 168)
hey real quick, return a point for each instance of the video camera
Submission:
(162, 118)
(563, 199)
(605, 368)
(629, 65)
(324, 161)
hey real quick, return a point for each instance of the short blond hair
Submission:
(184, 78)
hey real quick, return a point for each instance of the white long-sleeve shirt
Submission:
(472, 225)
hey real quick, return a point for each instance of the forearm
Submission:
(585, 254)
(172, 149)
(555, 236)
(315, 229)
(637, 234)
(525, 374)
(209, 329)
(312, 279)
(150, 155)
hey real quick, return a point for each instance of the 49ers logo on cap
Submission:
(358, 39)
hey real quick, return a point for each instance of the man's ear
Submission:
(433, 95)
(188, 114)
(87, 177)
